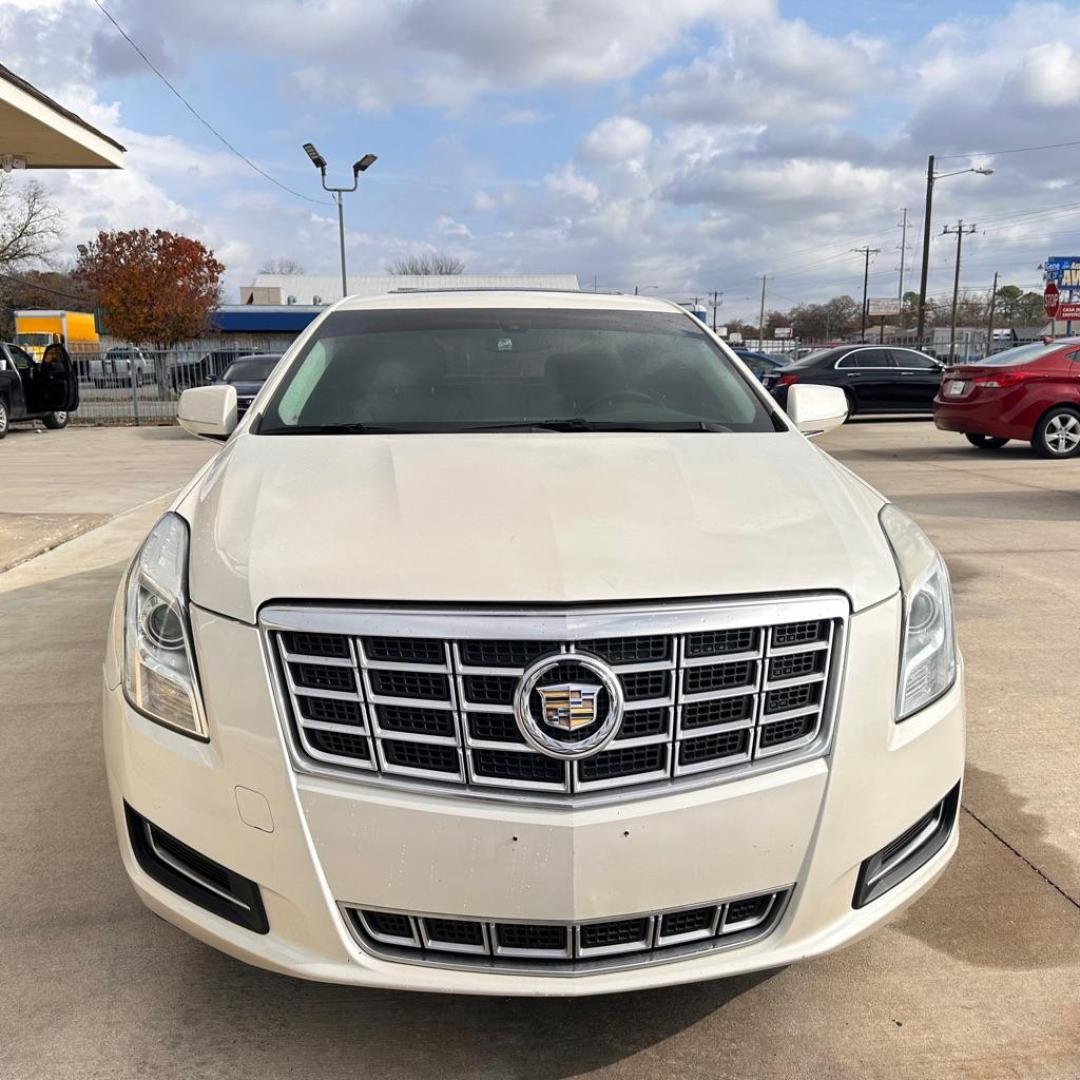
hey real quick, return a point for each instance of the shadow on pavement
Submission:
(411, 1034)
(996, 912)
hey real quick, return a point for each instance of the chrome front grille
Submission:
(566, 948)
(427, 696)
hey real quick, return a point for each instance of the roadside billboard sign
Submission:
(1063, 271)
(880, 307)
(781, 332)
(1068, 310)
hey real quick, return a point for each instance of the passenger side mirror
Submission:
(816, 409)
(208, 411)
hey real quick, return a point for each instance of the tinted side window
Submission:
(866, 358)
(20, 359)
(913, 361)
(873, 358)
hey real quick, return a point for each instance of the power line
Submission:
(198, 116)
(1013, 150)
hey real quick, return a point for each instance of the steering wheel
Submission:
(617, 396)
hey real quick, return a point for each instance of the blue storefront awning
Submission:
(264, 318)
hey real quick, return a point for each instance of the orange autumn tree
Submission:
(154, 288)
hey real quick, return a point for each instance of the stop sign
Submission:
(1051, 300)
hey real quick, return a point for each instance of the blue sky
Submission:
(692, 145)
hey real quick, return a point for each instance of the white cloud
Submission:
(383, 52)
(774, 71)
(447, 226)
(619, 138)
(566, 181)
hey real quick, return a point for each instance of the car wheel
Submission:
(1057, 434)
(850, 402)
(54, 421)
(986, 442)
(3, 418)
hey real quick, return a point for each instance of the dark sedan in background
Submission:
(875, 378)
(761, 364)
(247, 375)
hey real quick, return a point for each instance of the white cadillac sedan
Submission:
(518, 643)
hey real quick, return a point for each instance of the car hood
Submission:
(529, 518)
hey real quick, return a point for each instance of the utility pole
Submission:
(920, 325)
(990, 317)
(761, 319)
(716, 302)
(960, 232)
(866, 252)
(903, 253)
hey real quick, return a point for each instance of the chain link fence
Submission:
(127, 385)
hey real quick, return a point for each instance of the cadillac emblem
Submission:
(569, 706)
(589, 708)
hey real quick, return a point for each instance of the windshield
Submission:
(476, 369)
(1022, 354)
(33, 339)
(257, 369)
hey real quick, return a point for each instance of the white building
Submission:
(326, 288)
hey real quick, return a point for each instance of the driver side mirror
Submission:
(816, 409)
(208, 411)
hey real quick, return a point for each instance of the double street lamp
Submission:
(360, 166)
(931, 176)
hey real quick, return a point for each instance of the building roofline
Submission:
(17, 81)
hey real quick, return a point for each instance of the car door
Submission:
(919, 379)
(15, 380)
(869, 377)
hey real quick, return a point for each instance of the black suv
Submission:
(875, 378)
(32, 391)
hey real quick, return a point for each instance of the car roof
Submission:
(414, 299)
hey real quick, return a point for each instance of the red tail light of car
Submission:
(999, 380)
(787, 380)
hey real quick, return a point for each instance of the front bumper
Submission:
(313, 843)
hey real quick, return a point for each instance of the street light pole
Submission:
(920, 323)
(931, 176)
(337, 193)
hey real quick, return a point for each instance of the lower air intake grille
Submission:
(569, 947)
(429, 697)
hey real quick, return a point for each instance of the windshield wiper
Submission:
(580, 423)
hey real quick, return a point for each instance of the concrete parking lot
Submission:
(979, 979)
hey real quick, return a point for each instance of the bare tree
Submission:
(435, 262)
(282, 264)
(30, 225)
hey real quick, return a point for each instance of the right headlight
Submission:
(159, 661)
(927, 643)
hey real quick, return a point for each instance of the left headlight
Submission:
(927, 642)
(159, 661)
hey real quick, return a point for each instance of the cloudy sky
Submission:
(690, 145)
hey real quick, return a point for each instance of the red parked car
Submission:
(1031, 392)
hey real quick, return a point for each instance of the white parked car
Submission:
(518, 643)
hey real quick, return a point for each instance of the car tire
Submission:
(986, 442)
(5, 421)
(850, 402)
(1057, 434)
(54, 421)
